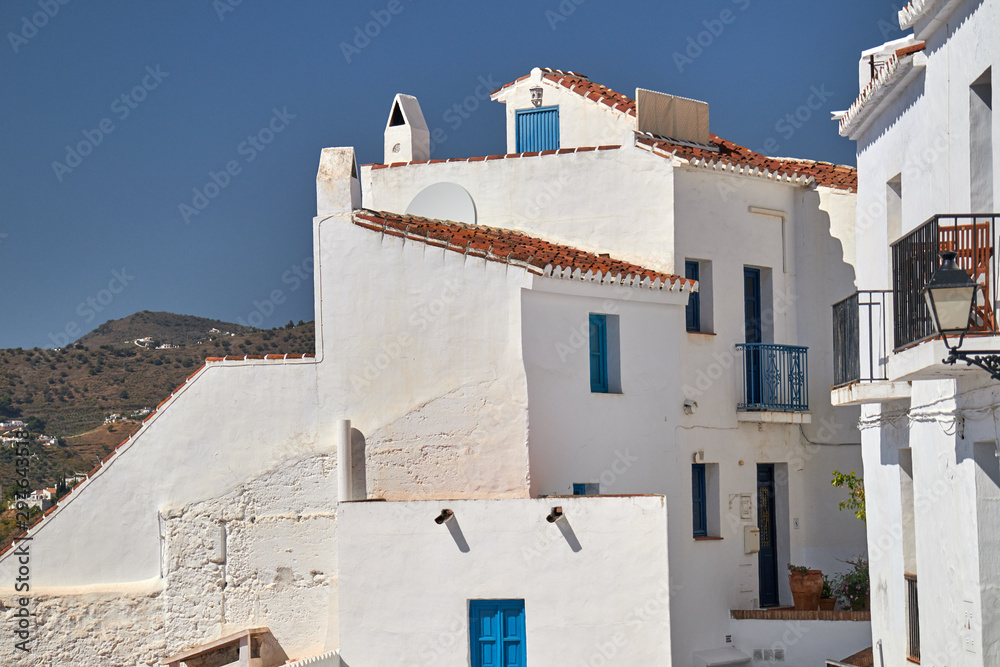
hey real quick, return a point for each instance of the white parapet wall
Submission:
(595, 583)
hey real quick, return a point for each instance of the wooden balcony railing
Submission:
(973, 236)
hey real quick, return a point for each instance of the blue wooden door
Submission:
(537, 129)
(767, 557)
(753, 375)
(496, 633)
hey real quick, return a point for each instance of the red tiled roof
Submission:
(581, 85)
(824, 173)
(865, 658)
(506, 246)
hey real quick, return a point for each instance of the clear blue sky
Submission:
(158, 95)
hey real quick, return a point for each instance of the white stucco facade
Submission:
(467, 374)
(927, 146)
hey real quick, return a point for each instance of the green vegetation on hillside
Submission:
(69, 391)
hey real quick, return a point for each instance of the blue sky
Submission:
(116, 113)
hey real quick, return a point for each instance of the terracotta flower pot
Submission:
(827, 604)
(806, 588)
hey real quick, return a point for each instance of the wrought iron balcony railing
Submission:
(775, 378)
(860, 345)
(973, 236)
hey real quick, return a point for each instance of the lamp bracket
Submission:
(988, 361)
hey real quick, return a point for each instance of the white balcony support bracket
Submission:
(859, 393)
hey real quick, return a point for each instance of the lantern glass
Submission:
(951, 307)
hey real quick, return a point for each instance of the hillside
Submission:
(69, 392)
(162, 327)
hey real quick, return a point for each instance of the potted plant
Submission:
(826, 600)
(852, 588)
(806, 587)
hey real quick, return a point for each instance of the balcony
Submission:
(973, 237)
(775, 378)
(860, 345)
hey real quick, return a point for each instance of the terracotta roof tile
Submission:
(506, 246)
(863, 658)
(581, 85)
(824, 173)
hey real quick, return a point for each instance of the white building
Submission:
(927, 144)
(575, 458)
(41, 498)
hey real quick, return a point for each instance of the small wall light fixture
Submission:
(554, 515)
(951, 300)
(536, 96)
(445, 515)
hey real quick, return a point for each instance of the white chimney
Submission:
(406, 136)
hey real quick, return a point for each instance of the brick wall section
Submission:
(792, 615)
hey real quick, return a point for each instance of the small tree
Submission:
(856, 486)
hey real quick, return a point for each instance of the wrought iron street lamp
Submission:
(951, 298)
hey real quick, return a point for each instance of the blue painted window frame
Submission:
(502, 644)
(693, 310)
(587, 489)
(698, 500)
(598, 353)
(530, 135)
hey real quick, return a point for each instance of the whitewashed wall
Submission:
(423, 346)
(802, 641)
(922, 133)
(615, 201)
(260, 414)
(405, 582)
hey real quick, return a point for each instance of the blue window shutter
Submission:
(537, 129)
(512, 626)
(598, 353)
(693, 311)
(698, 500)
(484, 633)
(496, 633)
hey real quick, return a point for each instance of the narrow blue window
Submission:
(587, 489)
(537, 129)
(698, 500)
(598, 353)
(496, 633)
(693, 311)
